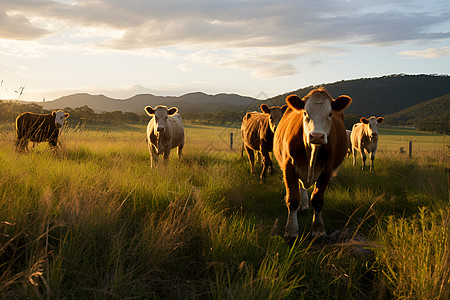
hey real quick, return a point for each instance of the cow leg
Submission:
(53, 144)
(292, 202)
(166, 153)
(317, 197)
(153, 155)
(251, 158)
(22, 145)
(266, 162)
(258, 157)
(304, 197)
(355, 153)
(179, 151)
(372, 158)
(363, 158)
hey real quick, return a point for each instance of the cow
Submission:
(39, 128)
(165, 131)
(310, 144)
(364, 138)
(257, 131)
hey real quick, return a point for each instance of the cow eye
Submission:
(329, 115)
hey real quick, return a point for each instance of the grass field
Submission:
(94, 221)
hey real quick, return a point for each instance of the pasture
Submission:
(94, 221)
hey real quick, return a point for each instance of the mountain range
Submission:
(371, 96)
(192, 102)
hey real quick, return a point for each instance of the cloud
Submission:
(275, 70)
(214, 23)
(265, 37)
(427, 53)
(16, 26)
(185, 67)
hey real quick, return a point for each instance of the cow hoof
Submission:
(290, 240)
(304, 211)
(319, 235)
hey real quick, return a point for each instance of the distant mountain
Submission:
(193, 102)
(383, 95)
(432, 115)
(371, 96)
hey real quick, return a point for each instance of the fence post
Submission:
(410, 148)
(231, 141)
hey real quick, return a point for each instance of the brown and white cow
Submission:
(257, 131)
(364, 138)
(165, 131)
(310, 144)
(39, 128)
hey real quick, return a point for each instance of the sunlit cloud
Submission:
(427, 53)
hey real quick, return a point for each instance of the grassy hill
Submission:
(432, 115)
(383, 95)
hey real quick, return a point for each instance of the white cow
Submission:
(364, 138)
(165, 131)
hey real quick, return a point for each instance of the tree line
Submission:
(84, 115)
(9, 110)
(430, 116)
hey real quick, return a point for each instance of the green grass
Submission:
(94, 221)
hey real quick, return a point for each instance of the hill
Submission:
(379, 96)
(383, 95)
(192, 102)
(432, 115)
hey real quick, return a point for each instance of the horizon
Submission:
(250, 48)
(220, 93)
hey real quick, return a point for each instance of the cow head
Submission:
(275, 114)
(371, 125)
(160, 115)
(60, 117)
(317, 108)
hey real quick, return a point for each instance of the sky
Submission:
(256, 48)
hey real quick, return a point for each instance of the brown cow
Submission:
(310, 144)
(165, 131)
(39, 128)
(364, 138)
(257, 134)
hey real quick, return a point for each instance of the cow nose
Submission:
(374, 133)
(160, 129)
(317, 138)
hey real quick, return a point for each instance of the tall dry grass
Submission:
(94, 221)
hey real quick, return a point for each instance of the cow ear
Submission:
(364, 120)
(53, 113)
(283, 108)
(380, 119)
(295, 102)
(150, 111)
(265, 109)
(341, 103)
(172, 110)
(66, 115)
